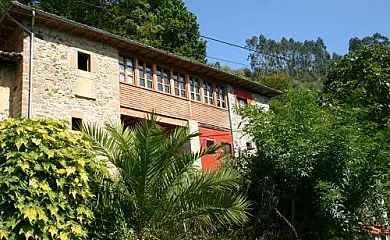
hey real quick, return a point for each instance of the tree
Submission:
(362, 80)
(356, 44)
(47, 178)
(307, 62)
(319, 173)
(164, 24)
(280, 82)
(163, 195)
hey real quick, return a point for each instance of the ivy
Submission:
(47, 177)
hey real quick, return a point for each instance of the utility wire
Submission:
(202, 36)
(224, 60)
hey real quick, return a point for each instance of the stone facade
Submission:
(195, 142)
(60, 89)
(7, 76)
(240, 138)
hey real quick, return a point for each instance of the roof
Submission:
(10, 56)
(22, 12)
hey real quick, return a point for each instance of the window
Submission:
(195, 89)
(221, 96)
(179, 84)
(241, 102)
(209, 142)
(126, 70)
(208, 93)
(249, 146)
(227, 148)
(145, 75)
(163, 82)
(76, 124)
(84, 61)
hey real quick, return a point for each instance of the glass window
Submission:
(126, 70)
(145, 75)
(221, 96)
(149, 76)
(209, 142)
(195, 89)
(163, 81)
(141, 69)
(179, 83)
(208, 93)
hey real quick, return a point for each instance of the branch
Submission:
(288, 223)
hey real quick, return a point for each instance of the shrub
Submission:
(47, 175)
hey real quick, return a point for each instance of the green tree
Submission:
(319, 172)
(47, 178)
(362, 80)
(307, 62)
(280, 82)
(163, 196)
(356, 44)
(164, 24)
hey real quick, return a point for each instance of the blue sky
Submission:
(336, 21)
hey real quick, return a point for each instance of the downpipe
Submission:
(30, 73)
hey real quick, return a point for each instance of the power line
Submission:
(224, 60)
(202, 36)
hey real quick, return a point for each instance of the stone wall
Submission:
(240, 138)
(60, 89)
(7, 76)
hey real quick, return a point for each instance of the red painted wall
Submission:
(211, 161)
(244, 94)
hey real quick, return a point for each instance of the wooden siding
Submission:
(210, 115)
(147, 100)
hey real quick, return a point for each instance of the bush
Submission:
(47, 175)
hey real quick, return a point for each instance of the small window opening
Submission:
(249, 146)
(227, 148)
(209, 142)
(241, 102)
(76, 124)
(84, 61)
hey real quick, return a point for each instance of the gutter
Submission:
(234, 80)
(30, 73)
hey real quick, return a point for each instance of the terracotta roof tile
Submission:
(10, 56)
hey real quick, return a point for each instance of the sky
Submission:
(335, 21)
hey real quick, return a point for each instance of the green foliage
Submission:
(322, 168)
(162, 195)
(46, 178)
(307, 62)
(164, 24)
(243, 73)
(356, 44)
(280, 82)
(362, 80)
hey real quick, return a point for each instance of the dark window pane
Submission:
(209, 142)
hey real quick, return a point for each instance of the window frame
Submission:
(76, 123)
(123, 62)
(143, 67)
(207, 140)
(208, 96)
(164, 84)
(195, 93)
(177, 87)
(220, 96)
(87, 58)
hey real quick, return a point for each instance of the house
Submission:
(53, 67)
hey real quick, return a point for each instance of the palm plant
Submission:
(163, 195)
